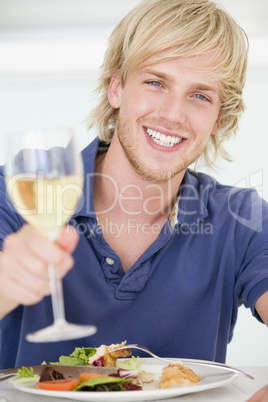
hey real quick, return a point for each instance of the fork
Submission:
(190, 361)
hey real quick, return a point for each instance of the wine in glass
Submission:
(44, 177)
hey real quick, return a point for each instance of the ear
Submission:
(216, 126)
(114, 91)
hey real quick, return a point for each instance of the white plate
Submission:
(211, 377)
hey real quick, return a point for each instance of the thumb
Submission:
(68, 238)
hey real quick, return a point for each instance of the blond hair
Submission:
(179, 28)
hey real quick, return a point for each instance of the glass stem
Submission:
(56, 295)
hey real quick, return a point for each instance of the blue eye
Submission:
(202, 97)
(154, 83)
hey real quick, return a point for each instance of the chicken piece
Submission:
(109, 359)
(144, 378)
(175, 374)
(119, 353)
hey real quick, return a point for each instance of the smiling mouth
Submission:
(162, 139)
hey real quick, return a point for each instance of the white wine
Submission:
(45, 203)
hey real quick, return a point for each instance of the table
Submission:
(240, 390)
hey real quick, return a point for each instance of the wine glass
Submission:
(44, 177)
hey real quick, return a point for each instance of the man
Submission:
(159, 250)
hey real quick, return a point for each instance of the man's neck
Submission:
(118, 189)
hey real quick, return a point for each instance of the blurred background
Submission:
(50, 53)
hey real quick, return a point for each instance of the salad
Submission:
(126, 377)
(103, 356)
(50, 379)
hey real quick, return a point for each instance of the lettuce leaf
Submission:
(25, 381)
(24, 372)
(131, 364)
(79, 357)
(95, 382)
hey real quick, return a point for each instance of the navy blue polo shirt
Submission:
(181, 296)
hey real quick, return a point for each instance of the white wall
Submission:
(250, 168)
(45, 105)
(46, 80)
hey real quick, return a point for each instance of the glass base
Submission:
(61, 331)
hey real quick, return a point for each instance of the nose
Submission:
(173, 108)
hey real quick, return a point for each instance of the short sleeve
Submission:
(251, 243)
(10, 220)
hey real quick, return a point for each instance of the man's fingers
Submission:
(23, 294)
(46, 250)
(35, 250)
(23, 259)
(68, 238)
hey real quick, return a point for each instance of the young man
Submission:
(159, 250)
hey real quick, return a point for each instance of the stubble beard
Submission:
(140, 168)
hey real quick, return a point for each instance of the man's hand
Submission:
(23, 265)
(260, 396)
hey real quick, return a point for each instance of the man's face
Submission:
(167, 112)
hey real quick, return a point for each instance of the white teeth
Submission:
(162, 139)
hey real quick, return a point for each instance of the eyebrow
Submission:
(196, 85)
(159, 74)
(205, 87)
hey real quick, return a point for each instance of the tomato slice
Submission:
(59, 385)
(88, 376)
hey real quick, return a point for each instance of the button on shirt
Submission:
(181, 296)
(109, 261)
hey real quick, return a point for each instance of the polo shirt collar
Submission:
(192, 203)
(86, 203)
